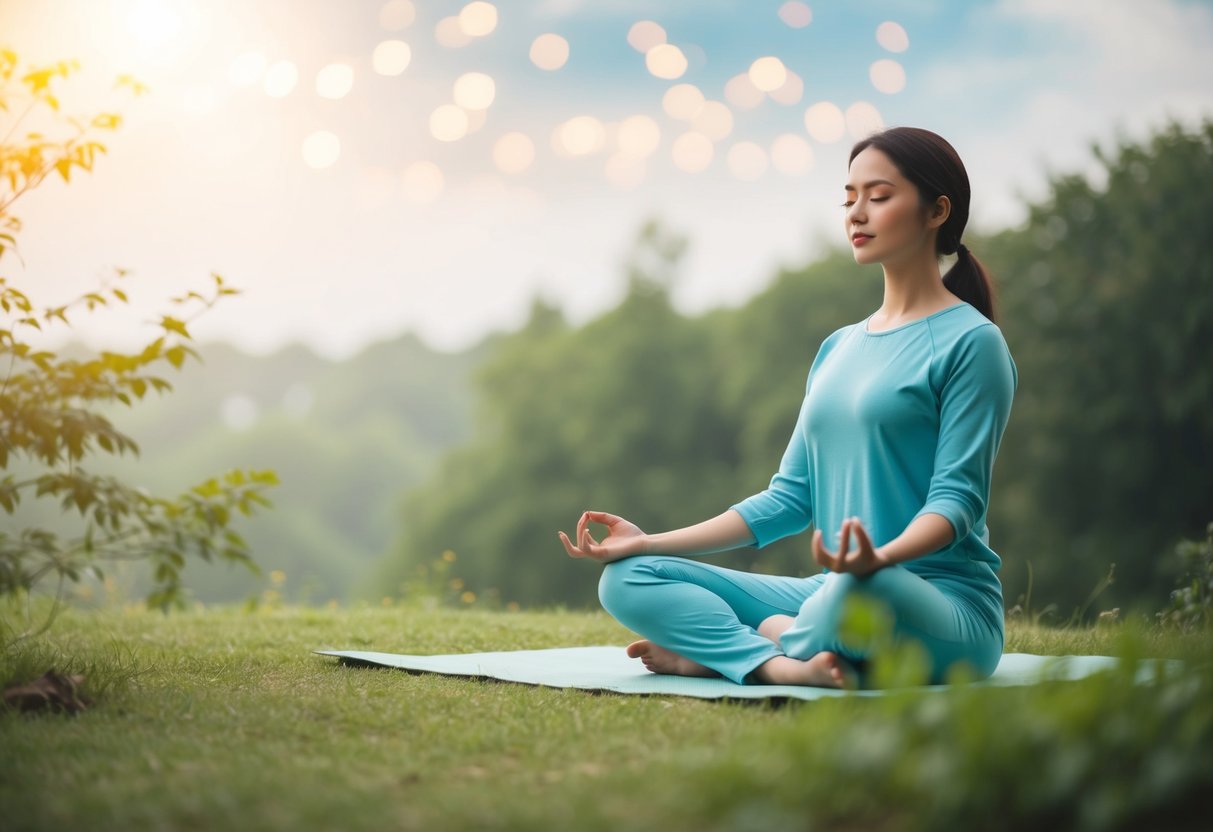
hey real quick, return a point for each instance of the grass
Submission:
(223, 718)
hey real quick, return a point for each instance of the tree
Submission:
(1107, 309)
(53, 408)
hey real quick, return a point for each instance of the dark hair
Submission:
(934, 166)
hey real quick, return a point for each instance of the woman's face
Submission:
(885, 220)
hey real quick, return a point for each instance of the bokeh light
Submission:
(478, 19)
(335, 81)
(768, 73)
(624, 172)
(448, 123)
(791, 154)
(638, 136)
(715, 120)
(549, 51)
(747, 161)
(448, 32)
(887, 76)
(579, 136)
(791, 92)
(796, 14)
(741, 92)
(666, 61)
(692, 152)
(682, 102)
(863, 119)
(247, 69)
(892, 36)
(321, 149)
(474, 91)
(397, 15)
(280, 79)
(422, 182)
(825, 122)
(644, 35)
(391, 57)
(513, 153)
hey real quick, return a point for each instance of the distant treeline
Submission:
(668, 419)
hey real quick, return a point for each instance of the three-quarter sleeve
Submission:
(975, 387)
(785, 508)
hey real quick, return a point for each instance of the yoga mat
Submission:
(609, 668)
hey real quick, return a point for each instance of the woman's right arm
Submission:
(625, 539)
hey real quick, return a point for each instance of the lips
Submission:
(860, 239)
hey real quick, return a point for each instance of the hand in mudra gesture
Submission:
(623, 538)
(862, 560)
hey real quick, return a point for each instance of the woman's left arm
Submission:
(926, 533)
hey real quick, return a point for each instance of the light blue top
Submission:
(896, 424)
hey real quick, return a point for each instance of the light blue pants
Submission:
(710, 614)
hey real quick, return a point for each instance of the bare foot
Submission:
(660, 660)
(823, 670)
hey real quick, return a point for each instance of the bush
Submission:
(1192, 600)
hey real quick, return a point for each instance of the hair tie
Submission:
(961, 250)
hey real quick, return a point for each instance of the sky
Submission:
(365, 168)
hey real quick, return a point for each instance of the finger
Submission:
(604, 517)
(820, 553)
(568, 546)
(582, 523)
(844, 545)
(862, 538)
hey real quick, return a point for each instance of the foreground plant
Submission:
(52, 419)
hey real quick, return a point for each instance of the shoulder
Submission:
(964, 338)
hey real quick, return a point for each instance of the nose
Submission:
(856, 214)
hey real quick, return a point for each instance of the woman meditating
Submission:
(893, 449)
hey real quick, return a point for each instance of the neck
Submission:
(913, 288)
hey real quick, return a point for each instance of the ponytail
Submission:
(969, 281)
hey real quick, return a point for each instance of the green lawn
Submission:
(224, 719)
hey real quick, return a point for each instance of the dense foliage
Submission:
(668, 420)
(51, 419)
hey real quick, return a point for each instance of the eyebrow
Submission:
(871, 184)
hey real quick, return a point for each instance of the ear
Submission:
(940, 211)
